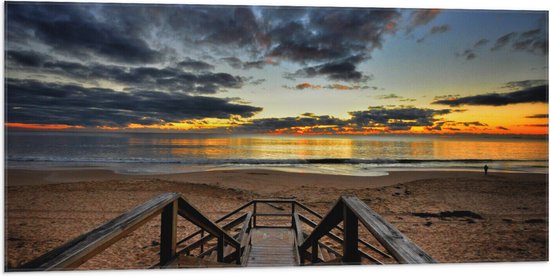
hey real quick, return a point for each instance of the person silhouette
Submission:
(486, 168)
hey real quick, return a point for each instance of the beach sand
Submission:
(44, 209)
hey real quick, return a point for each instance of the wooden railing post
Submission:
(202, 244)
(254, 216)
(351, 252)
(168, 233)
(315, 251)
(219, 249)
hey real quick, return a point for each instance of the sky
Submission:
(278, 70)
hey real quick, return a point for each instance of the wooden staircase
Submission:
(262, 232)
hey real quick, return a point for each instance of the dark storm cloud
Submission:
(35, 102)
(167, 78)
(537, 94)
(305, 120)
(323, 34)
(341, 70)
(400, 118)
(253, 36)
(73, 29)
(237, 63)
(195, 65)
(397, 118)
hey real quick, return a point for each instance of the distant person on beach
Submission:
(486, 168)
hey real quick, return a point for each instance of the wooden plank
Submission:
(272, 247)
(77, 251)
(168, 236)
(275, 200)
(273, 215)
(191, 213)
(403, 249)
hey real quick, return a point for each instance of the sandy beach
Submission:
(44, 209)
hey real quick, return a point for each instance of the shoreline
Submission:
(59, 175)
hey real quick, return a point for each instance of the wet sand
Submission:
(454, 216)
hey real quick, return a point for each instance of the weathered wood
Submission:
(333, 217)
(273, 215)
(339, 240)
(202, 241)
(351, 232)
(220, 248)
(274, 200)
(403, 249)
(168, 233)
(224, 217)
(77, 251)
(272, 247)
(192, 214)
(370, 246)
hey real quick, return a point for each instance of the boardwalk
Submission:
(272, 247)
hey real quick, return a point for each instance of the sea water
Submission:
(151, 153)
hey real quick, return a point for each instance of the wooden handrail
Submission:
(403, 249)
(190, 212)
(365, 243)
(350, 210)
(208, 237)
(75, 252)
(337, 239)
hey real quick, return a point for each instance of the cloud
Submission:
(439, 29)
(533, 41)
(538, 116)
(144, 77)
(536, 125)
(502, 128)
(341, 70)
(524, 84)
(374, 119)
(468, 54)
(480, 43)
(35, 102)
(72, 30)
(503, 41)
(403, 118)
(422, 17)
(332, 86)
(195, 65)
(306, 85)
(389, 96)
(286, 124)
(237, 63)
(537, 94)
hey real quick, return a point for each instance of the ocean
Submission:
(374, 155)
